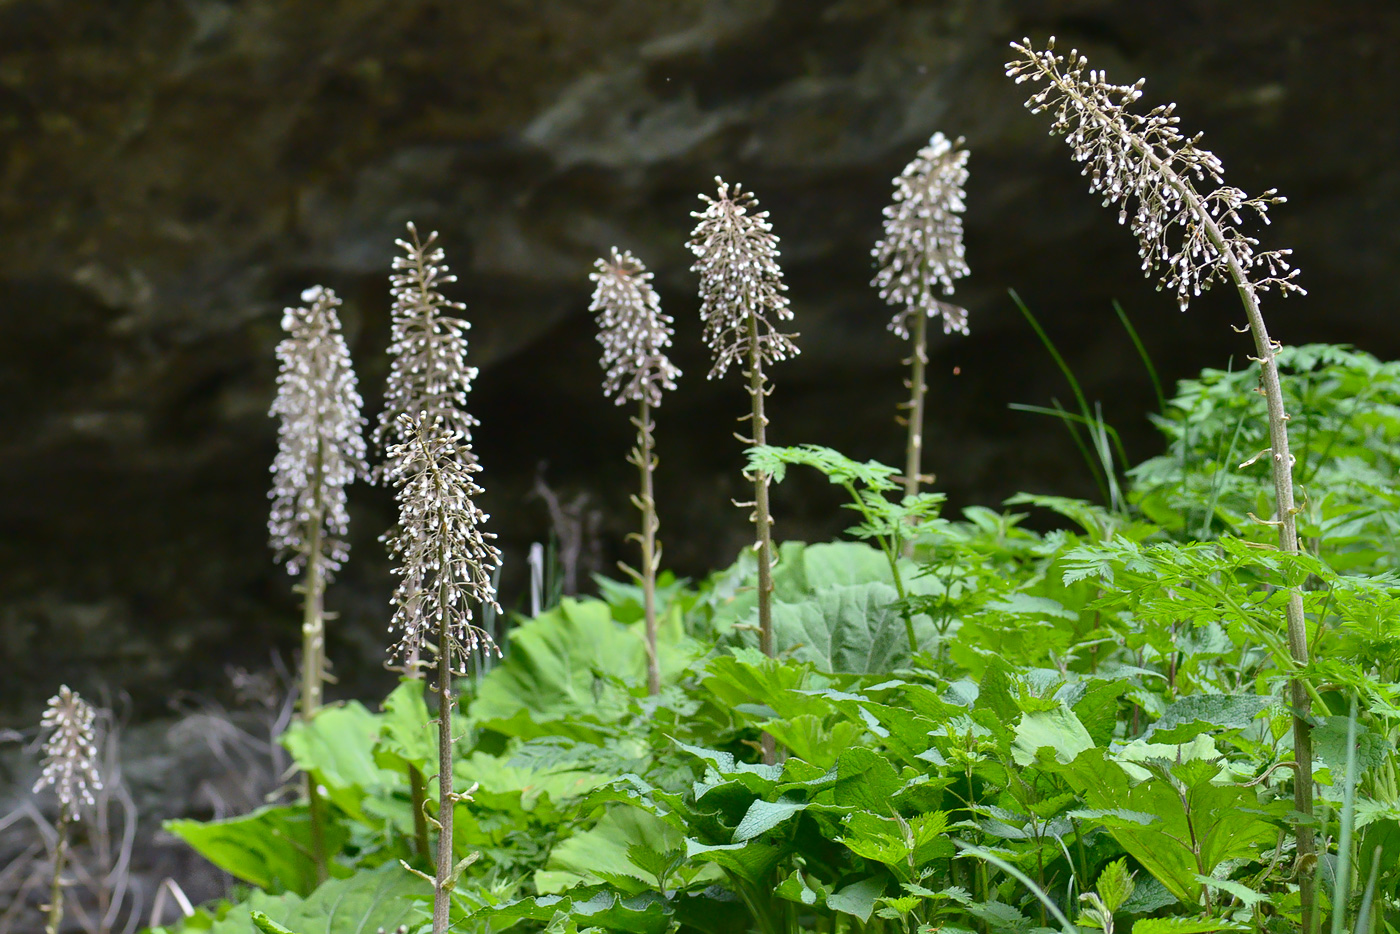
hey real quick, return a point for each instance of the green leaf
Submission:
(1330, 745)
(1059, 730)
(1185, 926)
(269, 848)
(407, 734)
(763, 816)
(568, 671)
(847, 628)
(1190, 716)
(265, 924)
(809, 738)
(337, 746)
(858, 898)
(750, 861)
(626, 847)
(1115, 885)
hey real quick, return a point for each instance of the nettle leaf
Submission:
(269, 848)
(1330, 745)
(750, 861)
(1191, 716)
(763, 816)
(902, 845)
(1097, 709)
(1115, 885)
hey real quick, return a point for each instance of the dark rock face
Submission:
(173, 173)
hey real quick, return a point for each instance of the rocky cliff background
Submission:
(174, 172)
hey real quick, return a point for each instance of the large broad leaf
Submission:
(568, 668)
(1058, 730)
(337, 747)
(508, 787)
(624, 849)
(269, 848)
(364, 903)
(851, 628)
(589, 907)
(408, 733)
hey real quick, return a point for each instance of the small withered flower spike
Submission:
(70, 753)
(922, 249)
(320, 445)
(445, 561)
(737, 259)
(633, 331)
(1145, 165)
(428, 372)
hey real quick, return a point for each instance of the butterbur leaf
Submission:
(858, 898)
(269, 848)
(265, 924)
(802, 889)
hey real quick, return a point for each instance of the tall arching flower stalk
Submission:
(634, 334)
(70, 767)
(320, 451)
(445, 564)
(741, 305)
(1146, 166)
(919, 256)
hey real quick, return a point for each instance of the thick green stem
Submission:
(313, 652)
(918, 389)
(60, 862)
(442, 888)
(645, 460)
(1281, 462)
(762, 520)
(418, 796)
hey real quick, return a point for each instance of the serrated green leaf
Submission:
(269, 848)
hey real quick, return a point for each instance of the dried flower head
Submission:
(320, 446)
(444, 559)
(633, 331)
(1144, 161)
(923, 243)
(737, 259)
(428, 373)
(70, 753)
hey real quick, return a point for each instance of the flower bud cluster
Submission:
(320, 446)
(70, 753)
(444, 559)
(633, 331)
(1144, 164)
(922, 249)
(428, 372)
(737, 259)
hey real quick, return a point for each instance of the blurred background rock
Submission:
(174, 172)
